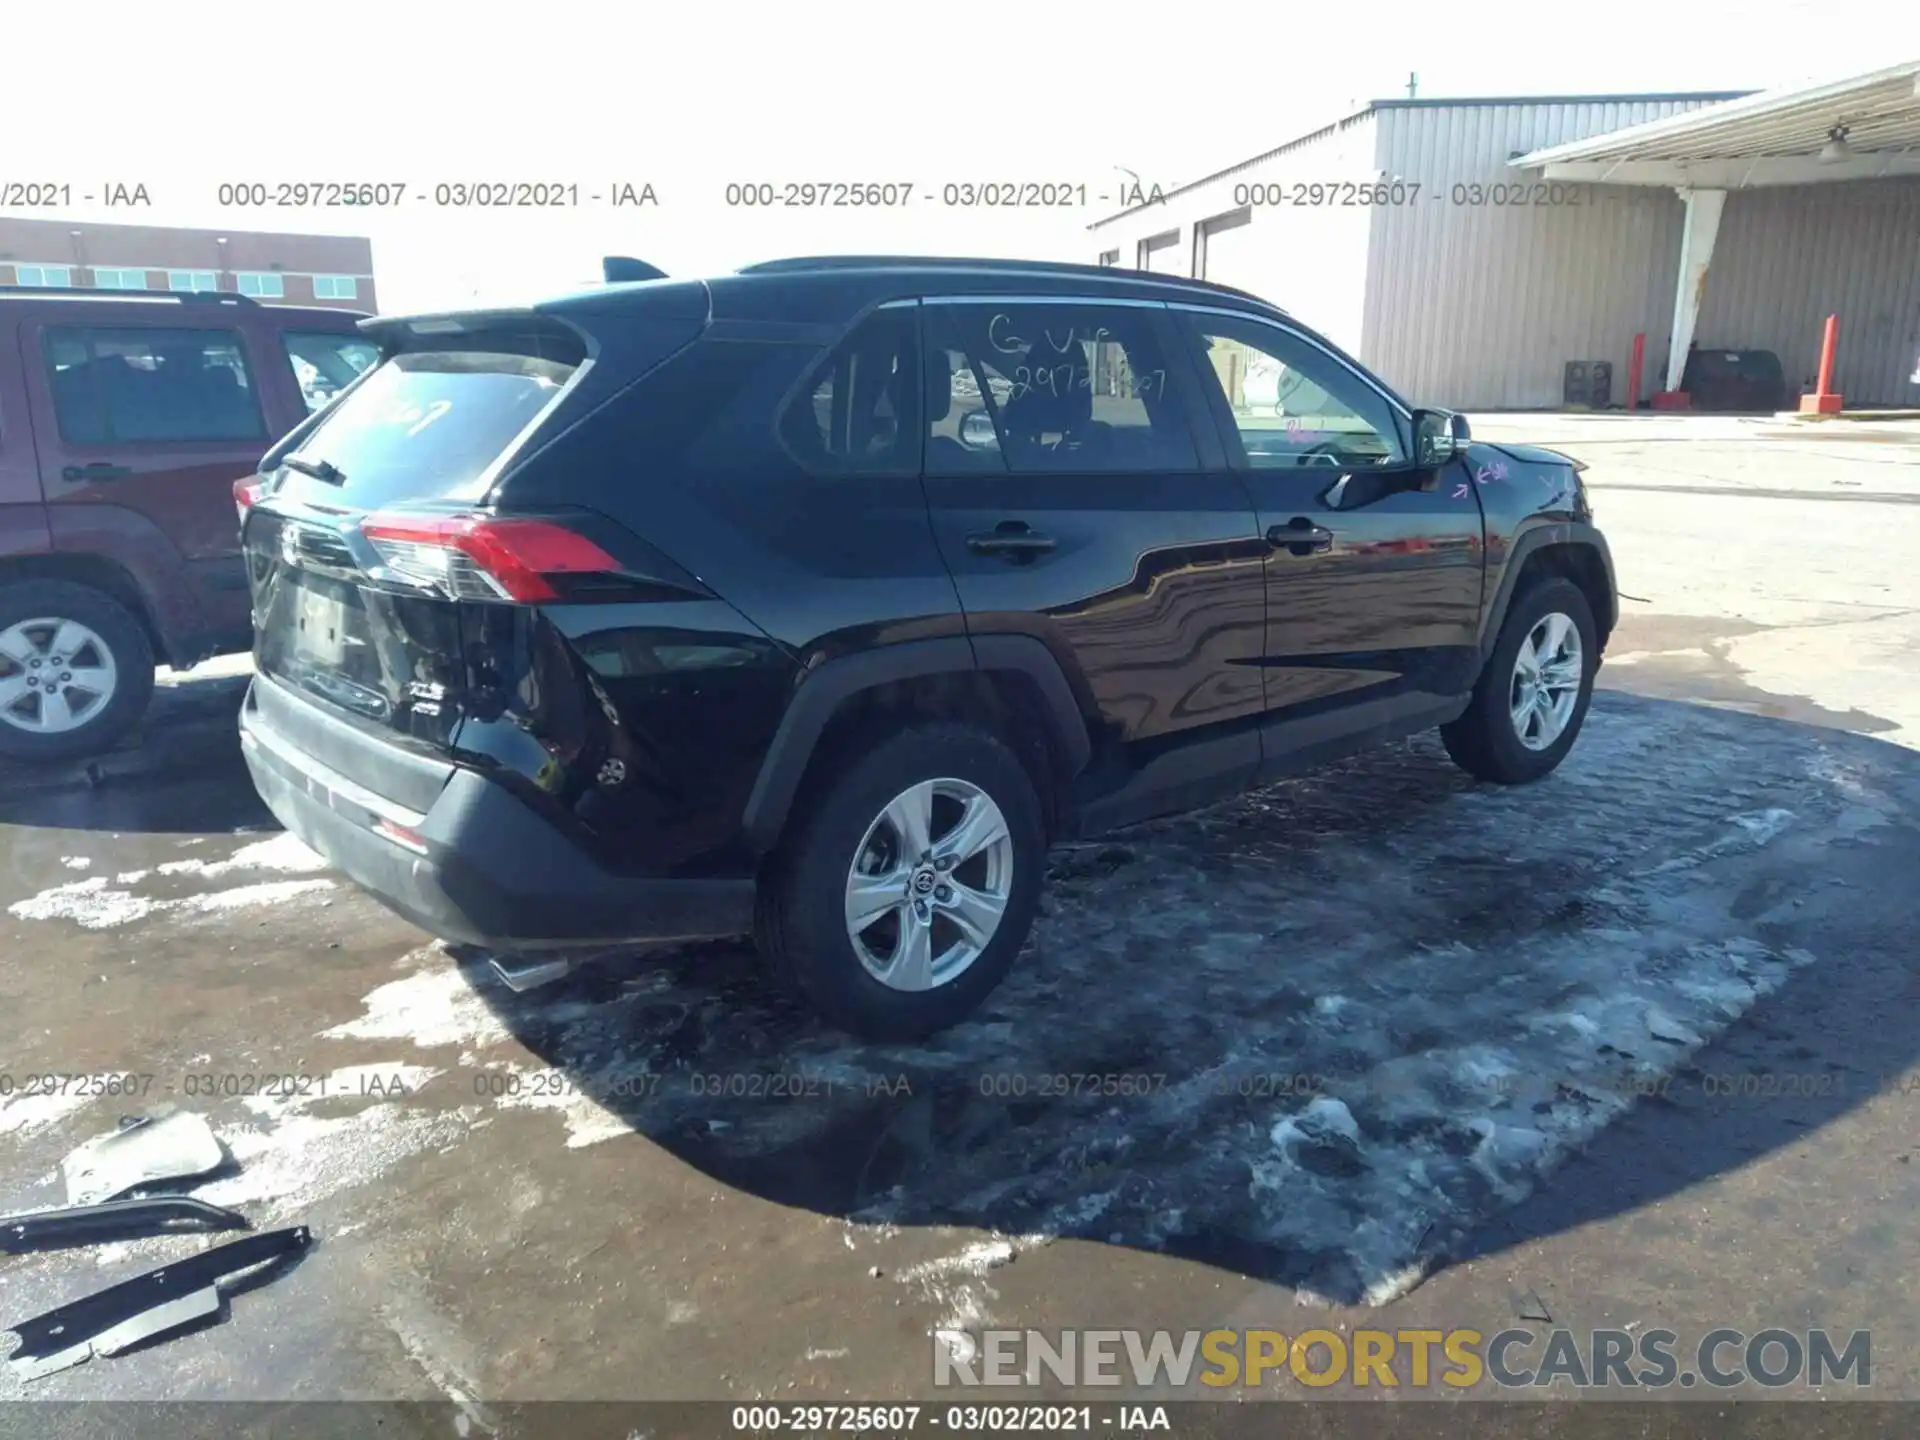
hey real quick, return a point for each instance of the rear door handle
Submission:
(1012, 538)
(99, 470)
(1300, 536)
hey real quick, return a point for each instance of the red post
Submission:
(1823, 401)
(1828, 340)
(1635, 365)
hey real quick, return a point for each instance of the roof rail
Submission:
(805, 264)
(185, 297)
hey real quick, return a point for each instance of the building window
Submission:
(262, 285)
(192, 280)
(55, 275)
(335, 287)
(110, 278)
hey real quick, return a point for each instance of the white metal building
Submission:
(1516, 235)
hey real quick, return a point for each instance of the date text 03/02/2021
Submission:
(1318, 194)
(895, 1420)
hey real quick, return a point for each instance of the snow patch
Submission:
(22, 1114)
(283, 852)
(430, 1007)
(75, 862)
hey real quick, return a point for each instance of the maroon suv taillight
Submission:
(247, 491)
(483, 557)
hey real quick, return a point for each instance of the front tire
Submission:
(1532, 697)
(76, 671)
(909, 884)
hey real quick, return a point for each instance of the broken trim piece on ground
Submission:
(111, 1220)
(143, 1151)
(145, 1307)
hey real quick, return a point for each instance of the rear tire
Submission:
(76, 671)
(1490, 740)
(927, 958)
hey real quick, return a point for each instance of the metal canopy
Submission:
(1862, 128)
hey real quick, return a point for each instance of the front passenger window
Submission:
(1291, 403)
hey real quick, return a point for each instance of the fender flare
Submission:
(827, 687)
(1557, 532)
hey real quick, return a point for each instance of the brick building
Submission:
(329, 270)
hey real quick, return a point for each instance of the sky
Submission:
(692, 98)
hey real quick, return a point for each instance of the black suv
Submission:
(815, 600)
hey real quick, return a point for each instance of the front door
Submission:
(1373, 573)
(1075, 498)
(158, 421)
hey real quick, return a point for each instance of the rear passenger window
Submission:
(859, 413)
(1049, 388)
(324, 365)
(119, 387)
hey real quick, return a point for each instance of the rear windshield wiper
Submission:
(318, 469)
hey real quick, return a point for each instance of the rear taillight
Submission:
(483, 557)
(247, 491)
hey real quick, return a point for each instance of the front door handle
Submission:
(1300, 536)
(1014, 539)
(99, 470)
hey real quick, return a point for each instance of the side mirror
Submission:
(977, 432)
(1438, 436)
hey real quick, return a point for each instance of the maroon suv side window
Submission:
(117, 387)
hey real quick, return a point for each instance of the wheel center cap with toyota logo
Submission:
(923, 882)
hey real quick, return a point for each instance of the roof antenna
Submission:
(617, 268)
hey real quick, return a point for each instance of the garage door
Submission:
(1233, 258)
(1166, 257)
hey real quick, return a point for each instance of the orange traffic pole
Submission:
(1636, 365)
(1823, 401)
(1828, 340)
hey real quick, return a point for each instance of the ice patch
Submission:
(87, 903)
(271, 893)
(21, 1114)
(92, 906)
(283, 852)
(588, 1122)
(291, 1158)
(1763, 825)
(75, 862)
(430, 1007)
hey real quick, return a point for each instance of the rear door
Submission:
(1074, 498)
(158, 420)
(1373, 574)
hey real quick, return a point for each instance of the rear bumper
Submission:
(495, 873)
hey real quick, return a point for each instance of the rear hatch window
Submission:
(429, 423)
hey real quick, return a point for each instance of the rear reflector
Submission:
(402, 836)
(483, 557)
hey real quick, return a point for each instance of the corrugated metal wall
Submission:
(1788, 257)
(1480, 306)
(1310, 260)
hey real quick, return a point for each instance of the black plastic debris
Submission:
(146, 1307)
(113, 1220)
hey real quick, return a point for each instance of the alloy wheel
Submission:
(56, 675)
(1546, 681)
(929, 884)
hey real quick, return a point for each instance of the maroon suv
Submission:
(124, 421)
